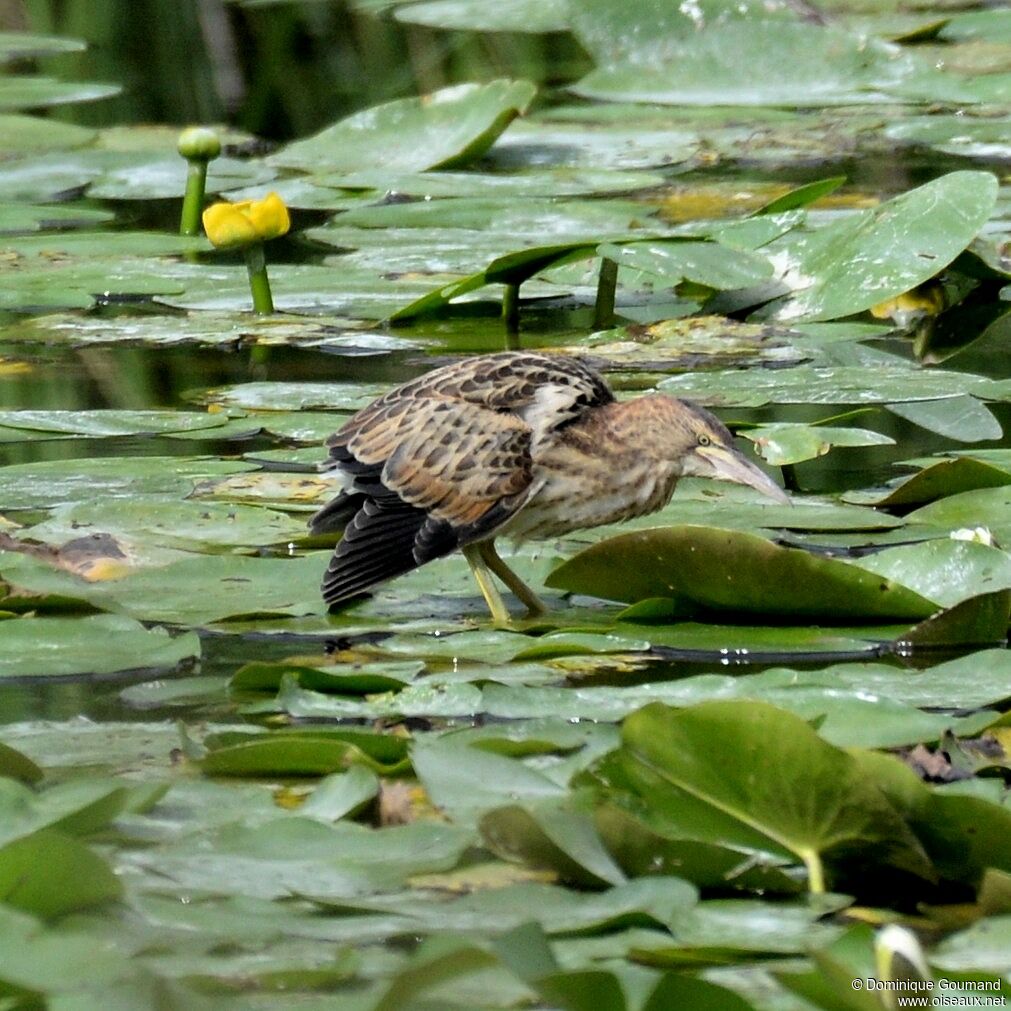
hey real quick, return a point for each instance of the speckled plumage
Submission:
(513, 444)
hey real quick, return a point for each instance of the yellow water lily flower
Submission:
(230, 225)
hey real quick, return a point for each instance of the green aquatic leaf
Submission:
(842, 384)
(986, 507)
(962, 418)
(33, 134)
(446, 129)
(50, 483)
(874, 255)
(980, 620)
(552, 834)
(943, 570)
(16, 217)
(710, 264)
(531, 182)
(534, 16)
(188, 525)
(99, 644)
(938, 479)
(679, 344)
(14, 765)
(30, 92)
(104, 423)
(302, 753)
(809, 799)
(733, 570)
(294, 396)
(786, 442)
(790, 64)
(164, 178)
(25, 45)
(49, 875)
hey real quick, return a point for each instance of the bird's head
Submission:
(704, 447)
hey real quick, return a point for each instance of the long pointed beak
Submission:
(729, 465)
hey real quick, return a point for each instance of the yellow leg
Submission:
(522, 592)
(482, 575)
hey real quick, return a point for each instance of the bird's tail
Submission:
(337, 514)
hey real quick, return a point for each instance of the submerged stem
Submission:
(259, 285)
(511, 308)
(607, 282)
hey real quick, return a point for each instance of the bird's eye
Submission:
(704, 439)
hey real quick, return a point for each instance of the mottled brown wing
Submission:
(454, 460)
(545, 391)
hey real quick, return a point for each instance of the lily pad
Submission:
(874, 255)
(728, 570)
(809, 799)
(533, 16)
(787, 443)
(25, 45)
(446, 129)
(790, 64)
(843, 384)
(987, 507)
(32, 134)
(100, 644)
(707, 263)
(30, 92)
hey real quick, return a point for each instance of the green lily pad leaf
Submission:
(707, 263)
(533, 182)
(34, 134)
(35, 218)
(787, 443)
(297, 288)
(173, 692)
(556, 835)
(446, 129)
(801, 196)
(417, 700)
(943, 570)
(962, 418)
(733, 570)
(964, 136)
(533, 16)
(164, 178)
(673, 344)
(513, 268)
(790, 64)
(302, 753)
(189, 525)
(100, 644)
(809, 799)
(14, 765)
(987, 507)
(937, 479)
(341, 679)
(843, 384)
(875, 255)
(105, 423)
(24, 45)
(295, 396)
(982, 947)
(968, 682)
(341, 794)
(975, 621)
(593, 145)
(29, 92)
(463, 780)
(50, 483)
(49, 875)
(563, 221)
(231, 586)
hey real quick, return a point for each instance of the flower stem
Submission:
(259, 285)
(511, 308)
(603, 308)
(193, 201)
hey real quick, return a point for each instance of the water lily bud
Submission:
(900, 962)
(979, 535)
(200, 143)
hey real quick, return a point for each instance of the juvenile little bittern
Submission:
(514, 444)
